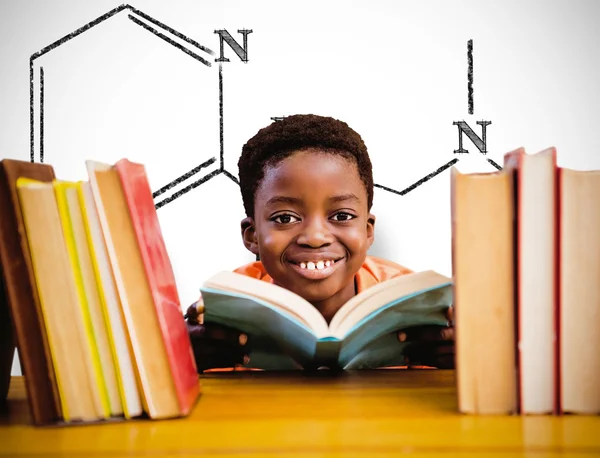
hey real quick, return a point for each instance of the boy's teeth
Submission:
(310, 265)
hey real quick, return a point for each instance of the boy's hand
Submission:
(214, 346)
(430, 345)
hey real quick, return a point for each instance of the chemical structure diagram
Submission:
(205, 56)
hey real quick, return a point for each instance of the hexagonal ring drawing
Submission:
(169, 35)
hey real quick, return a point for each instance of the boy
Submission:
(307, 188)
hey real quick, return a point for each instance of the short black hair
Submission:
(295, 133)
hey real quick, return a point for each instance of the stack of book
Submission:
(526, 262)
(90, 294)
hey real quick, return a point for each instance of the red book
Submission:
(161, 280)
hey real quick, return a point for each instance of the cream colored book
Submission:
(59, 300)
(74, 232)
(579, 315)
(154, 375)
(483, 270)
(128, 393)
(536, 263)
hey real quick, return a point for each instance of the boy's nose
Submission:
(315, 233)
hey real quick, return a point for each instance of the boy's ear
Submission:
(371, 229)
(249, 235)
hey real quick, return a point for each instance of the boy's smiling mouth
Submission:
(316, 269)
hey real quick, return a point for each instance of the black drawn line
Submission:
(79, 31)
(49, 48)
(173, 31)
(168, 40)
(88, 26)
(221, 151)
(31, 133)
(108, 15)
(494, 164)
(470, 74)
(214, 173)
(385, 188)
(183, 177)
(421, 181)
(41, 114)
(229, 175)
(187, 188)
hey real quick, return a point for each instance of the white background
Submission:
(395, 71)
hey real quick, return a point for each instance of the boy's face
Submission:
(311, 225)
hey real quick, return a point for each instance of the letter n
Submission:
(241, 51)
(463, 127)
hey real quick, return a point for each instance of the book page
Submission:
(289, 302)
(369, 301)
(427, 308)
(384, 351)
(261, 321)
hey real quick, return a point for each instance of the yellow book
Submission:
(88, 239)
(58, 297)
(78, 251)
(125, 383)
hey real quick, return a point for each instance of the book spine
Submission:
(557, 309)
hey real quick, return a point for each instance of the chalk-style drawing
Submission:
(242, 53)
(413, 186)
(179, 41)
(470, 75)
(463, 127)
(138, 18)
(479, 143)
(195, 50)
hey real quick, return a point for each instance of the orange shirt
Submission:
(374, 270)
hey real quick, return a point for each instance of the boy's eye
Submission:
(285, 219)
(343, 216)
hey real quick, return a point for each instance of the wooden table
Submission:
(368, 413)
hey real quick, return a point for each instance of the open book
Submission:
(283, 326)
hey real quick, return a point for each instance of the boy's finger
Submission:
(215, 332)
(195, 330)
(450, 314)
(191, 314)
(217, 354)
(226, 334)
(423, 333)
(195, 312)
(447, 334)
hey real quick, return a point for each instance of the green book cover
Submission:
(286, 331)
